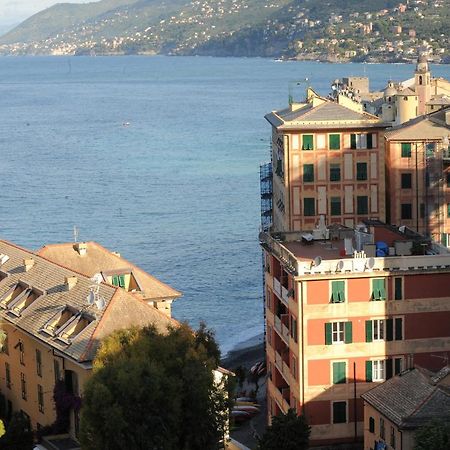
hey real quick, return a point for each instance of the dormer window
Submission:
(19, 297)
(73, 327)
(124, 278)
(118, 280)
(58, 320)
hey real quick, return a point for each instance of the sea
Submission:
(156, 158)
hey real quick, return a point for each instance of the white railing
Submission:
(284, 295)
(276, 287)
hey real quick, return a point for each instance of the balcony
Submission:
(280, 324)
(282, 366)
(277, 287)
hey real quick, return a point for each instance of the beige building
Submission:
(328, 160)
(394, 410)
(54, 317)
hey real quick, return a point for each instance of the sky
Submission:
(12, 12)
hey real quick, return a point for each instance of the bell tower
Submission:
(422, 83)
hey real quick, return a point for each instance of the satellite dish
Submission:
(316, 262)
(402, 228)
(97, 278)
(100, 302)
(90, 297)
(370, 263)
(339, 265)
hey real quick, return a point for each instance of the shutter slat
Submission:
(348, 333)
(368, 331)
(368, 371)
(328, 334)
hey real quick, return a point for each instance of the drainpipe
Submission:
(354, 401)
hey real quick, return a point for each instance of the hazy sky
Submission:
(13, 12)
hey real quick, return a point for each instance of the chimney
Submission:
(70, 282)
(81, 248)
(447, 117)
(28, 263)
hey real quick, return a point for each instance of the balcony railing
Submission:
(276, 287)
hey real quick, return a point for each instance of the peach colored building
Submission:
(339, 320)
(328, 160)
(51, 332)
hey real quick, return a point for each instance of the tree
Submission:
(433, 436)
(18, 434)
(154, 392)
(287, 432)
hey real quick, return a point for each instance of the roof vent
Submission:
(28, 263)
(70, 282)
(81, 248)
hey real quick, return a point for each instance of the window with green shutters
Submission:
(339, 412)
(309, 206)
(307, 142)
(348, 333)
(375, 330)
(118, 280)
(338, 333)
(398, 289)
(368, 371)
(308, 173)
(337, 291)
(362, 205)
(406, 150)
(335, 172)
(335, 206)
(339, 372)
(334, 141)
(361, 171)
(378, 289)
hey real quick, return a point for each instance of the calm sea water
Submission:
(156, 158)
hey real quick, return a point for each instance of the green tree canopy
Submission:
(18, 434)
(287, 432)
(433, 436)
(154, 392)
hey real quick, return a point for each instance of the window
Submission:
(294, 367)
(378, 368)
(309, 207)
(294, 328)
(448, 209)
(56, 370)
(406, 212)
(335, 206)
(382, 432)
(23, 386)
(21, 352)
(362, 205)
(361, 171)
(378, 330)
(398, 365)
(334, 141)
(40, 398)
(307, 142)
(406, 150)
(338, 333)
(398, 289)
(339, 370)
(118, 280)
(448, 179)
(422, 210)
(362, 140)
(39, 363)
(406, 181)
(339, 412)
(338, 291)
(392, 437)
(58, 320)
(335, 172)
(308, 173)
(394, 329)
(5, 345)
(74, 326)
(378, 289)
(8, 375)
(19, 297)
(371, 425)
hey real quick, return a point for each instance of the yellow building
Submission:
(54, 317)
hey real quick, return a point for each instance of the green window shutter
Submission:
(369, 140)
(335, 206)
(368, 331)
(448, 209)
(378, 289)
(398, 289)
(337, 291)
(361, 171)
(388, 367)
(368, 371)
(309, 207)
(362, 204)
(406, 150)
(398, 329)
(339, 372)
(335, 172)
(307, 142)
(122, 280)
(389, 329)
(348, 333)
(115, 280)
(328, 340)
(308, 172)
(353, 141)
(334, 141)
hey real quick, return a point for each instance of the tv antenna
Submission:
(75, 234)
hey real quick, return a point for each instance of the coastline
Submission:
(245, 353)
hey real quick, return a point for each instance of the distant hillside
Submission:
(359, 30)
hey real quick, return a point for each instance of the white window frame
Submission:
(379, 370)
(337, 331)
(378, 329)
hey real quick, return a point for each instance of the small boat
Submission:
(240, 416)
(245, 399)
(253, 410)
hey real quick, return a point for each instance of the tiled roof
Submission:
(327, 115)
(121, 309)
(410, 399)
(99, 259)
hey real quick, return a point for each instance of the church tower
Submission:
(423, 83)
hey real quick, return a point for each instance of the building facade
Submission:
(338, 322)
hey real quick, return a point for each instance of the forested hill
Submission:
(360, 30)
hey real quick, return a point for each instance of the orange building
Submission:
(54, 316)
(328, 160)
(348, 311)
